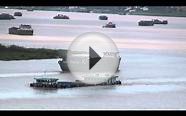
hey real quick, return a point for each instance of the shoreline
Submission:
(14, 52)
(132, 14)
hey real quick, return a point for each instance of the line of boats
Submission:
(22, 29)
(27, 29)
(151, 22)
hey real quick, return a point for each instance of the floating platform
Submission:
(54, 83)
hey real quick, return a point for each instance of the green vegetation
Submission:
(176, 11)
(14, 52)
(162, 11)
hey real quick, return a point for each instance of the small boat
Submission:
(103, 17)
(109, 25)
(30, 9)
(61, 16)
(6, 16)
(157, 21)
(21, 30)
(17, 14)
(146, 23)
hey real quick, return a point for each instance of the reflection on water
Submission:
(44, 91)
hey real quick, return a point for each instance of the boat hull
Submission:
(17, 31)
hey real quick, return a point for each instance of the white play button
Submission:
(93, 58)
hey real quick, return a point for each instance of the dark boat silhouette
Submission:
(61, 16)
(109, 25)
(6, 16)
(21, 30)
(146, 23)
(103, 17)
(17, 14)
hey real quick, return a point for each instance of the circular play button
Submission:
(93, 58)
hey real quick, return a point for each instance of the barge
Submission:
(146, 23)
(21, 30)
(54, 83)
(151, 22)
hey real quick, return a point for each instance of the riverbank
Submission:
(14, 52)
(122, 10)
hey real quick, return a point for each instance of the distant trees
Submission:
(14, 52)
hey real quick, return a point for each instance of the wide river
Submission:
(152, 70)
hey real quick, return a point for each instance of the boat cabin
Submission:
(46, 80)
(25, 26)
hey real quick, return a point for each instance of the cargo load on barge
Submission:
(21, 30)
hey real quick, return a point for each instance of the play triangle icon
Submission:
(93, 58)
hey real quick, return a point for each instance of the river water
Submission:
(152, 70)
